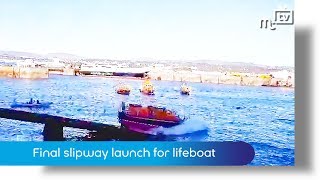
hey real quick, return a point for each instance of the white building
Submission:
(26, 63)
(284, 74)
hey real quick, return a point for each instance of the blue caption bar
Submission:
(126, 153)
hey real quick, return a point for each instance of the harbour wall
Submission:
(220, 78)
(24, 72)
(166, 75)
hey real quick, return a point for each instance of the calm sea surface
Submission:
(261, 116)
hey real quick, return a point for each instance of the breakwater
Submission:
(222, 78)
(165, 75)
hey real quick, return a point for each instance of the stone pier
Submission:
(220, 78)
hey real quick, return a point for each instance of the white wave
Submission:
(188, 127)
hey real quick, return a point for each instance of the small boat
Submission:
(123, 89)
(31, 105)
(147, 88)
(185, 90)
(145, 119)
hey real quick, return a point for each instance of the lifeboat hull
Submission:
(138, 127)
(154, 122)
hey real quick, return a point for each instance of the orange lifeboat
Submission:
(144, 119)
(147, 88)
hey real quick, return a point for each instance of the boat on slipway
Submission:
(144, 119)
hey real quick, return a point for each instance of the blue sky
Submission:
(227, 30)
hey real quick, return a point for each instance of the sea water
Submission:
(261, 116)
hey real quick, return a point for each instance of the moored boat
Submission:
(185, 90)
(147, 88)
(144, 119)
(123, 89)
